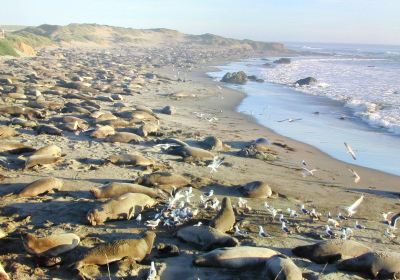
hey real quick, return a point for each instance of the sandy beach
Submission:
(205, 108)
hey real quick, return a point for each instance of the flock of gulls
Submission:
(89, 103)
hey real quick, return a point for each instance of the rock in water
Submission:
(306, 81)
(283, 60)
(235, 78)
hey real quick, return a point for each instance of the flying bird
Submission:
(351, 210)
(307, 172)
(356, 177)
(215, 164)
(350, 150)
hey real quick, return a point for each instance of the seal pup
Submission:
(124, 137)
(103, 131)
(206, 238)
(163, 180)
(134, 159)
(134, 249)
(330, 251)
(41, 186)
(256, 189)
(235, 257)
(191, 154)
(50, 246)
(379, 265)
(126, 206)
(281, 267)
(114, 189)
(225, 218)
(213, 143)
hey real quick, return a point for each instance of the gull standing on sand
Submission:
(262, 233)
(358, 226)
(304, 210)
(350, 150)
(152, 272)
(356, 177)
(198, 224)
(139, 218)
(386, 217)
(329, 232)
(152, 224)
(351, 210)
(239, 232)
(285, 228)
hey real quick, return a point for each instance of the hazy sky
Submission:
(351, 21)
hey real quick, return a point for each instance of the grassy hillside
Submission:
(7, 48)
(104, 35)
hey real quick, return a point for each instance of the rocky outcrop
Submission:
(306, 81)
(239, 78)
(254, 78)
(283, 60)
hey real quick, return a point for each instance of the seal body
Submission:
(114, 189)
(102, 131)
(190, 154)
(376, 264)
(164, 180)
(123, 207)
(135, 249)
(281, 267)
(257, 189)
(131, 159)
(330, 251)
(206, 238)
(235, 257)
(225, 218)
(50, 246)
(41, 186)
(124, 137)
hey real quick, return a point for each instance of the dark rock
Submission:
(235, 78)
(255, 79)
(169, 110)
(283, 60)
(306, 81)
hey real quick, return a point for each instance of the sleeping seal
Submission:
(115, 189)
(41, 186)
(124, 137)
(330, 251)
(163, 180)
(190, 154)
(235, 257)
(206, 238)
(135, 159)
(281, 267)
(225, 218)
(134, 249)
(125, 206)
(381, 265)
(256, 189)
(50, 246)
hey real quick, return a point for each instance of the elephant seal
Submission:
(206, 238)
(50, 246)
(51, 150)
(135, 159)
(72, 123)
(48, 129)
(213, 143)
(330, 251)
(125, 206)
(6, 131)
(33, 160)
(225, 218)
(281, 267)
(3, 273)
(124, 137)
(190, 154)
(134, 249)
(114, 189)
(148, 129)
(102, 131)
(256, 189)
(41, 186)
(379, 265)
(163, 180)
(14, 147)
(235, 257)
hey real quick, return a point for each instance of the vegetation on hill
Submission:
(7, 48)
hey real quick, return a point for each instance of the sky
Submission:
(340, 21)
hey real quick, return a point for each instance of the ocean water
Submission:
(356, 100)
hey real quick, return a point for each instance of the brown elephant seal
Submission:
(41, 186)
(48, 129)
(72, 123)
(40, 160)
(50, 246)
(256, 189)
(378, 265)
(6, 131)
(126, 206)
(206, 238)
(148, 129)
(163, 180)
(215, 144)
(124, 137)
(235, 257)
(225, 218)
(281, 267)
(113, 190)
(14, 147)
(3, 273)
(134, 249)
(51, 150)
(135, 159)
(190, 154)
(330, 251)
(103, 131)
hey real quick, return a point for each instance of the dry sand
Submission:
(82, 168)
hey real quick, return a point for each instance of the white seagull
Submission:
(152, 223)
(215, 164)
(351, 210)
(239, 232)
(139, 218)
(307, 172)
(262, 233)
(152, 272)
(350, 151)
(356, 177)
